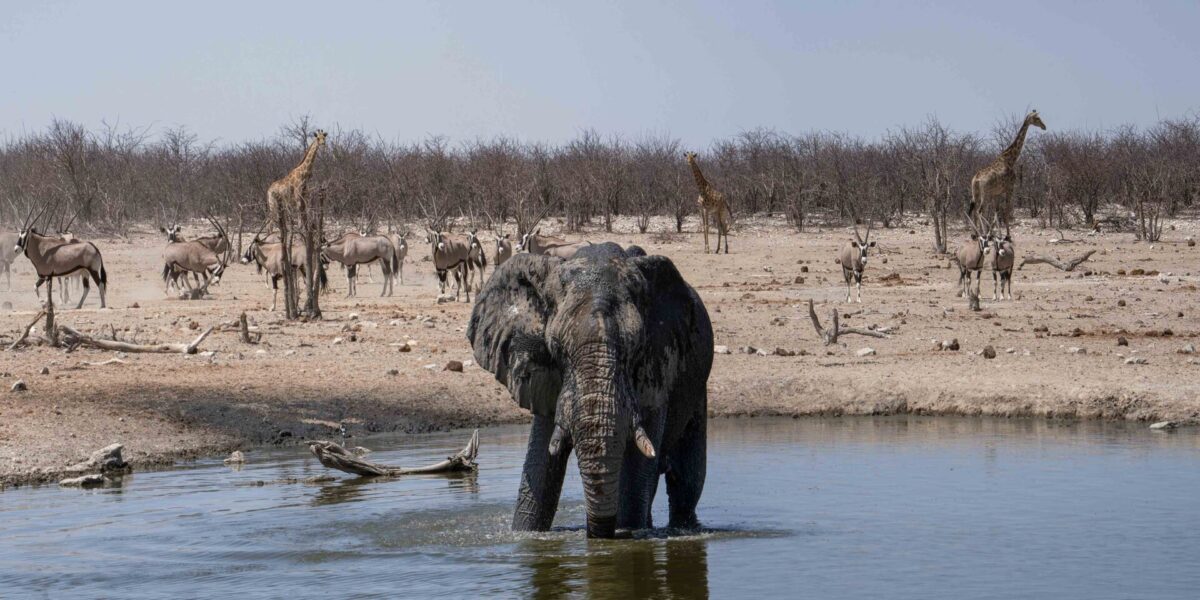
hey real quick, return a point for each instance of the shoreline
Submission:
(196, 446)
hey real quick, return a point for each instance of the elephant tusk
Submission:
(643, 442)
(556, 439)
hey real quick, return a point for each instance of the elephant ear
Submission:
(678, 345)
(508, 331)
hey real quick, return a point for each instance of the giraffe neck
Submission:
(1013, 151)
(304, 170)
(701, 182)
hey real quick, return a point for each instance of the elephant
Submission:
(610, 351)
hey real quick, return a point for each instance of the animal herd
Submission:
(196, 264)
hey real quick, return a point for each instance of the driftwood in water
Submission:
(830, 336)
(75, 338)
(1056, 263)
(336, 457)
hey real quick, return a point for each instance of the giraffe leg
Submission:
(704, 226)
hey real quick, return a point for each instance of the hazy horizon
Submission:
(544, 72)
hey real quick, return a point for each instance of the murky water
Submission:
(846, 508)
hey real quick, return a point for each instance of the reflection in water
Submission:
(351, 490)
(642, 568)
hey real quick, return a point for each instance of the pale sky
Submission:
(234, 71)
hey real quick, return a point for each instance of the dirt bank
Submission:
(1056, 347)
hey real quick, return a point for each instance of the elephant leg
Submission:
(541, 479)
(686, 466)
(639, 481)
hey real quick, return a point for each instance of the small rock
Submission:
(289, 353)
(353, 316)
(1164, 425)
(1136, 360)
(1120, 303)
(237, 458)
(45, 371)
(747, 349)
(1077, 350)
(208, 353)
(393, 372)
(193, 325)
(454, 365)
(989, 352)
(1188, 349)
(784, 352)
(798, 279)
(1191, 242)
(92, 480)
(950, 344)
(760, 352)
(428, 324)
(405, 348)
(804, 269)
(431, 366)
(1121, 341)
(865, 352)
(135, 305)
(337, 341)
(721, 350)
(1010, 350)
(19, 386)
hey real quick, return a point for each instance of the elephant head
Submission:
(595, 343)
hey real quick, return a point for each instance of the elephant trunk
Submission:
(599, 425)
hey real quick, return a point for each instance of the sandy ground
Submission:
(304, 380)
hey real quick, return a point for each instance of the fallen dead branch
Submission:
(102, 363)
(75, 338)
(830, 336)
(28, 328)
(1056, 263)
(334, 456)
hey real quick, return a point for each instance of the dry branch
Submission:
(334, 456)
(1056, 263)
(830, 336)
(75, 338)
(28, 328)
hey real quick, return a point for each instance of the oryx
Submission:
(535, 243)
(8, 254)
(853, 258)
(970, 256)
(192, 257)
(55, 257)
(399, 252)
(353, 251)
(1004, 254)
(268, 256)
(476, 259)
(450, 251)
(218, 243)
(504, 249)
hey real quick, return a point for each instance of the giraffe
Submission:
(285, 197)
(712, 206)
(994, 183)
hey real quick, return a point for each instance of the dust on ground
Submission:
(1057, 352)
